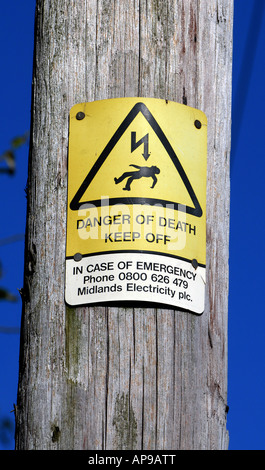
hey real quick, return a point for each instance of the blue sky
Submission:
(246, 333)
(247, 251)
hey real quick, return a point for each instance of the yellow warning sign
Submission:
(137, 181)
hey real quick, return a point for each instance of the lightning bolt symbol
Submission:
(144, 140)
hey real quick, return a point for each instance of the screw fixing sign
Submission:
(136, 215)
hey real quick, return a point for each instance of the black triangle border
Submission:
(75, 203)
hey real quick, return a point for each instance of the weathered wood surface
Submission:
(109, 378)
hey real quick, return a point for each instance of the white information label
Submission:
(135, 277)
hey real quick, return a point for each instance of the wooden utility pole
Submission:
(107, 377)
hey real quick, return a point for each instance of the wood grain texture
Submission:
(107, 377)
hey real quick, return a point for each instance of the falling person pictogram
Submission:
(143, 172)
